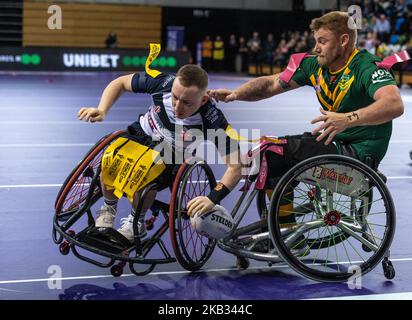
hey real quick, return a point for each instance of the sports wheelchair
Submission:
(74, 225)
(344, 219)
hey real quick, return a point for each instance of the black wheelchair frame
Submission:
(108, 242)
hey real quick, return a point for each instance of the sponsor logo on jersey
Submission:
(212, 115)
(156, 109)
(381, 75)
(167, 81)
(343, 83)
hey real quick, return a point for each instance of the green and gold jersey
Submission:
(349, 89)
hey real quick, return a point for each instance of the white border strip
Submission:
(383, 296)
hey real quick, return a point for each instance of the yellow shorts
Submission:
(128, 166)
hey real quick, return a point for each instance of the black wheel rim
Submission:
(374, 221)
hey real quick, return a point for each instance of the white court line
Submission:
(128, 122)
(16, 186)
(54, 185)
(130, 274)
(57, 73)
(406, 98)
(59, 145)
(279, 266)
(45, 145)
(62, 122)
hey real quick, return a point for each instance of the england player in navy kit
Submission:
(180, 105)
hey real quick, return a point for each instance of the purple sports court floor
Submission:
(41, 141)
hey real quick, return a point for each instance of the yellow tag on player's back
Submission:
(143, 166)
(154, 52)
(131, 153)
(109, 168)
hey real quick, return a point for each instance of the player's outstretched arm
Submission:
(110, 95)
(229, 180)
(254, 90)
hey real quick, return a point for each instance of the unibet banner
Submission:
(61, 59)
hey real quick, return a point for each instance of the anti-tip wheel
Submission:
(116, 271)
(64, 248)
(242, 263)
(388, 269)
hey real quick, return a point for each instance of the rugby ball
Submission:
(215, 224)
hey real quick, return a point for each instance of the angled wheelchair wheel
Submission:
(344, 218)
(191, 249)
(75, 189)
(263, 208)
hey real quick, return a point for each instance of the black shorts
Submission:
(298, 148)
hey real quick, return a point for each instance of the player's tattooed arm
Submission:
(263, 88)
(256, 89)
(284, 85)
(353, 116)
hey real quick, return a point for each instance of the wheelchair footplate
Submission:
(107, 239)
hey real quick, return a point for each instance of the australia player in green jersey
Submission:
(358, 98)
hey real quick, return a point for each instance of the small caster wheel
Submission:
(116, 271)
(150, 223)
(365, 248)
(149, 226)
(388, 269)
(242, 263)
(64, 248)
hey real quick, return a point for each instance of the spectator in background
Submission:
(368, 8)
(186, 49)
(269, 47)
(207, 49)
(383, 28)
(242, 56)
(371, 42)
(218, 53)
(231, 51)
(255, 50)
(111, 41)
(301, 46)
(370, 25)
(282, 54)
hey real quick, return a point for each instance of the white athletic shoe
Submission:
(105, 217)
(126, 229)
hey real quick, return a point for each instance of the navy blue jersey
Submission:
(160, 121)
